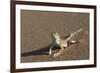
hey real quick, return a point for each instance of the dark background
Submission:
(36, 29)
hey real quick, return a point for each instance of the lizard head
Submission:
(55, 35)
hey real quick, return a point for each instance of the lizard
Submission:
(62, 43)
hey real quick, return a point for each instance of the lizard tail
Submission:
(74, 34)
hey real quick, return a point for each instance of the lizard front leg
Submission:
(50, 50)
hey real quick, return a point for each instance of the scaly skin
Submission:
(63, 43)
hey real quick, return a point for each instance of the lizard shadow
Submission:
(41, 51)
(44, 50)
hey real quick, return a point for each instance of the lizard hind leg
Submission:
(73, 42)
(58, 53)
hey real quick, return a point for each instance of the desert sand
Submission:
(36, 29)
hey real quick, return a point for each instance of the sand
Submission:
(36, 29)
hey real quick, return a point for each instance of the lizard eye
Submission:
(53, 33)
